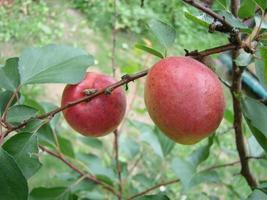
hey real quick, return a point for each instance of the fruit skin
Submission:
(102, 114)
(184, 98)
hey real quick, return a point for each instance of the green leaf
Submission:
(204, 177)
(247, 9)
(92, 142)
(147, 135)
(257, 195)
(149, 50)
(261, 66)
(201, 154)
(260, 137)
(203, 19)
(45, 136)
(256, 114)
(165, 33)
(223, 3)
(105, 179)
(154, 197)
(9, 75)
(166, 143)
(13, 185)
(24, 149)
(19, 113)
(261, 3)
(56, 193)
(96, 166)
(53, 64)
(254, 147)
(228, 115)
(129, 146)
(184, 170)
(66, 147)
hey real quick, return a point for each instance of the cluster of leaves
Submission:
(19, 154)
(28, 19)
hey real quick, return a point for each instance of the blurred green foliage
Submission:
(28, 20)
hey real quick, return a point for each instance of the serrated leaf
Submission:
(247, 9)
(13, 185)
(23, 147)
(149, 50)
(201, 154)
(19, 113)
(9, 75)
(165, 33)
(56, 193)
(53, 64)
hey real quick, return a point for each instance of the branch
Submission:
(107, 90)
(236, 91)
(116, 147)
(199, 55)
(227, 26)
(75, 168)
(114, 32)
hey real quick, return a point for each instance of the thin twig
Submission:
(236, 91)
(75, 168)
(215, 50)
(118, 166)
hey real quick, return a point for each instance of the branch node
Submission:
(108, 91)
